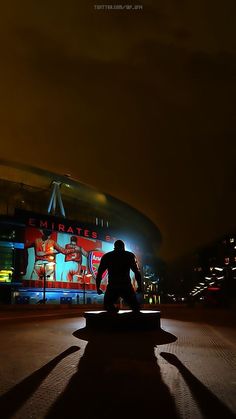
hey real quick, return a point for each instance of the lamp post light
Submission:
(44, 276)
(84, 276)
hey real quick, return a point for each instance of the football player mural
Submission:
(45, 248)
(63, 258)
(66, 260)
(73, 260)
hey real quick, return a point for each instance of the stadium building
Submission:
(54, 231)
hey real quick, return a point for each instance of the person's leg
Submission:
(37, 272)
(129, 296)
(66, 272)
(73, 272)
(110, 298)
(50, 272)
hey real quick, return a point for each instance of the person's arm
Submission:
(84, 253)
(65, 250)
(101, 269)
(135, 268)
(62, 249)
(50, 252)
(40, 253)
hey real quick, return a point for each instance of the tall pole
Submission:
(83, 287)
(45, 263)
(84, 293)
(44, 284)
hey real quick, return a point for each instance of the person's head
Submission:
(45, 234)
(73, 240)
(119, 245)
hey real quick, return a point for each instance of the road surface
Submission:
(54, 368)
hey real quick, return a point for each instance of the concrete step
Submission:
(123, 320)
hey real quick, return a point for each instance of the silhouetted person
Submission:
(119, 262)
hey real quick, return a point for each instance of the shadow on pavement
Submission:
(209, 404)
(117, 376)
(13, 399)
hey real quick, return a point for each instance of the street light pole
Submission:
(44, 281)
(44, 285)
(45, 263)
(83, 274)
(43, 277)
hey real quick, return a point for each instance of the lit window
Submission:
(231, 240)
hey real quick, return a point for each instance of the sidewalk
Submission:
(14, 313)
(56, 368)
(219, 316)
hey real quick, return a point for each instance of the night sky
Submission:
(140, 104)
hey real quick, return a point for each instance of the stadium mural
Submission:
(65, 260)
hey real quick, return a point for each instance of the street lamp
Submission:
(84, 275)
(44, 276)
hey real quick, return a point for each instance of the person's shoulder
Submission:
(107, 255)
(130, 254)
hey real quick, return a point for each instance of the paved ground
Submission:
(53, 368)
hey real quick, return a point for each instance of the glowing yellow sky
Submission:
(140, 104)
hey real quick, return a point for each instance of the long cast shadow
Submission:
(207, 401)
(118, 375)
(13, 399)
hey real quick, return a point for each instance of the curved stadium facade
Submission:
(54, 231)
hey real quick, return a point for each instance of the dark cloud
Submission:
(138, 104)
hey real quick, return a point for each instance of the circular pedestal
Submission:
(123, 320)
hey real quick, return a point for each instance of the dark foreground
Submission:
(54, 368)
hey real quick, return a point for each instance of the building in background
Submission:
(54, 231)
(206, 277)
(214, 273)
